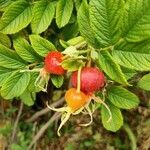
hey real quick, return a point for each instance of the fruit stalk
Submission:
(79, 80)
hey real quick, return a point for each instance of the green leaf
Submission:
(122, 98)
(70, 31)
(4, 74)
(43, 13)
(71, 51)
(72, 64)
(134, 56)
(64, 10)
(136, 16)
(10, 59)
(77, 4)
(32, 87)
(25, 51)
(117, 120)
(15, 85)
(4, 40)
(63, 43)
(75, 41)
(129, 73)
(16, 17)
(144, 82)
(57, 80)
(84, 25)
(28, 98)
(4, 4)
(41, 45)
(111, 68)
(105, 18)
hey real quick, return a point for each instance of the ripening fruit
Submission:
(92, 79)
(75, 100)
(52, 63)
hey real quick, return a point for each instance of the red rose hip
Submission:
(92, 79)
(52, 63)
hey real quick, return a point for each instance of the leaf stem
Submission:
(32, 65)
(33, 70)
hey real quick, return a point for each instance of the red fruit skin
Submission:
(92, 80)
(52, 63)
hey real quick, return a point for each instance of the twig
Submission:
(34, 132)
(44, 111)
(2, 108)
(131, 137)
(43, 129)
(16, 122)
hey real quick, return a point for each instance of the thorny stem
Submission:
(42, 130)
(16, 122)
(79, 79)
(45, 110)
(2, 108)
(34, 130)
